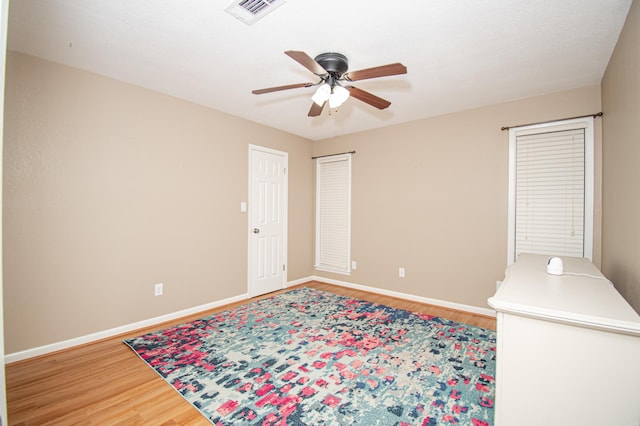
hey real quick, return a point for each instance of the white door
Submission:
(268, 192)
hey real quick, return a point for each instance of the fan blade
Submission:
(306, 61)
(381, 71)
(315, 109)
(276, 89)
(368, 98)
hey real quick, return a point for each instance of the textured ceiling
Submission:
(459, 54)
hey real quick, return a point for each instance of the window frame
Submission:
(586, 123)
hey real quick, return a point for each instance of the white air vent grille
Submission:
(249, 11)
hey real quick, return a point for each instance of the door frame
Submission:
(4, 20)
(251, 290)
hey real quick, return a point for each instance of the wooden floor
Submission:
(105, 383)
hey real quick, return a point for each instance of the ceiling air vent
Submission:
(249, 11)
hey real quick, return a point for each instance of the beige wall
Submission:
(621, 162)
(431, 196)
(110, 188)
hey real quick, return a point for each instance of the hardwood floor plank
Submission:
(105, 383)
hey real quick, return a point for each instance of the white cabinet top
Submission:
(582, 296)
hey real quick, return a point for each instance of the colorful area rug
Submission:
(309, 357)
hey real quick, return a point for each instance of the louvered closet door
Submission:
(333, 214)
(550, 193)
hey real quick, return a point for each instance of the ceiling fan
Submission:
(334, 80)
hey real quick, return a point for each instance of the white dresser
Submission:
(568, 347)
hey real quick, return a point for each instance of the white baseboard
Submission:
(437, 302)
(66, 344)
(298, 281)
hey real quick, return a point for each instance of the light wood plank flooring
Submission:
(105, 383)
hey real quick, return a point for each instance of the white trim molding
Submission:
(436, 302)
(90, 338)
(93, 337)
(301, 281)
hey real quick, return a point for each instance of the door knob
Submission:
(256, 231)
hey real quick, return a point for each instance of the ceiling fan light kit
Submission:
(332, 69)
(338, 96)
(322, 94)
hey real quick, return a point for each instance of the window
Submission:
(333, 214)
(551, 189)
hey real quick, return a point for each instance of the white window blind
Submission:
(551, 205)
(333, 213)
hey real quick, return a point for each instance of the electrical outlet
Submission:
(401, 272)
(354, 265)
(158, 289)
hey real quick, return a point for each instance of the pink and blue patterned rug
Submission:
(308, 357)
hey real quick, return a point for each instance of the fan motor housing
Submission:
(336, 64)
